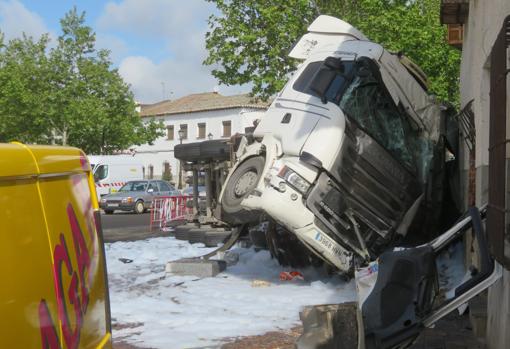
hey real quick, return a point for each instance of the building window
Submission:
(170, 132)
(201, 130)
(184, 131)
(167, 171)
(151, 172)
(227, 128)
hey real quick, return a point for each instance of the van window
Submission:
(101, 172)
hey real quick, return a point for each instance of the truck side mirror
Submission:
(324, 77)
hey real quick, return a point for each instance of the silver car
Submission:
(136, 196)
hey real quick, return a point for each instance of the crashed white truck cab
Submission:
(341, 157)
(352, 158)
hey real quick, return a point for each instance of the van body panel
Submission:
(119, 170)
(19, 163)
(25, 264)
(54, 262)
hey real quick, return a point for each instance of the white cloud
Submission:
(155, 18)
(178, 28)
(117, 47)
(152, 82)
(16, 19)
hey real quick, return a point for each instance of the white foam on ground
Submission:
(154, 310)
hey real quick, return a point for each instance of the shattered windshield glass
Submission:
(361, 94)
(367, 102)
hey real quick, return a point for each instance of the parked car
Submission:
(136, 196)
(54, 290)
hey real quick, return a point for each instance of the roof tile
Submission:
(199, 102)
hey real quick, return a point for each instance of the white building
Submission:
(200, 116)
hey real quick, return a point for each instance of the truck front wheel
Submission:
(243, 181)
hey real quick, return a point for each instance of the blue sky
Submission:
(158, 45)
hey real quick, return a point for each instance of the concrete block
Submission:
(330, 326)
(196, 267)
(230, 257)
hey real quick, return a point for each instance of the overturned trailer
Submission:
(352, 154)
(213, 159)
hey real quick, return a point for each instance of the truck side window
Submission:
(336, 87)
(101, 172)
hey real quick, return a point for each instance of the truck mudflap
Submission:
(406, 296)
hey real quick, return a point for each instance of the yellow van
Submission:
(54, 290)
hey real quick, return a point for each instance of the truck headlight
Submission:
(103, 201)
(295, 180)
(127, 200)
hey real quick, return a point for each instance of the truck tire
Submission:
(215, 150)
(139, 207)
(285, 247)
(258, 238)
(241, 183)
(187, 152)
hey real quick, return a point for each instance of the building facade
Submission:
(484, 87)
(198, 117)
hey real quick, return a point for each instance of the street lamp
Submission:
(181, 136)
(210, 136)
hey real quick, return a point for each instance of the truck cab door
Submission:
(408, 295)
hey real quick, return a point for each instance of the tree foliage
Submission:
(68, 94)
(250, 40)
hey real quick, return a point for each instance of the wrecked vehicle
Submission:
(350, 156)
(405, 291)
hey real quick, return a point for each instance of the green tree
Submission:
(24, 90)
(411, 27)
(249, 43)
(69, 94)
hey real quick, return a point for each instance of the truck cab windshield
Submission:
(361, 94)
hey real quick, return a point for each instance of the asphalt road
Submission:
(120, 220)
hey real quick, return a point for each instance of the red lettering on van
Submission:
(82, 254)
(77, 294)
(49, 333)
(61, 256)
